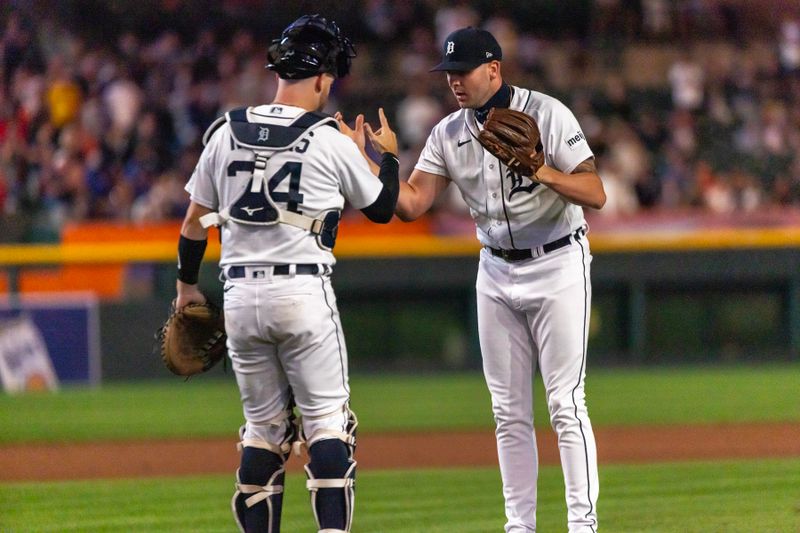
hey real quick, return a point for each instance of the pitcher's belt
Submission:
(529, 253)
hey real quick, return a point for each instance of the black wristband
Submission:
(389, 175)
(382, 209)
(190, 255)
(388, 157)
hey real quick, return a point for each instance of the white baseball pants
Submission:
(536, 313)
(285, 338)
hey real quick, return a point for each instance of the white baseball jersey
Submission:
(510, 210)
(317, 175)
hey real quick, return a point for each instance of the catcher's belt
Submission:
(263, 271)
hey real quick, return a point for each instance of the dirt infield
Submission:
(38, 462)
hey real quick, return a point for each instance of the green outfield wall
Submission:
(418, 313)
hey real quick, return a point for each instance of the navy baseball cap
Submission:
(467, 48)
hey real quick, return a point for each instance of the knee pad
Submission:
(258, 498)
(332, 470)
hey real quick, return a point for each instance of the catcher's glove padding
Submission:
(193, 339)
(513, 137)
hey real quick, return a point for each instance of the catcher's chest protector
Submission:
(255, 206)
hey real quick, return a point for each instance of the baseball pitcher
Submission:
(524, 168)
(275, 178)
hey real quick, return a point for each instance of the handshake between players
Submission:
(382, 140)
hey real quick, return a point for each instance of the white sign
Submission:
(25, 364)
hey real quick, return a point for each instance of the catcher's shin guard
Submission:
(331, 476)
(258, 499)
(257, 506)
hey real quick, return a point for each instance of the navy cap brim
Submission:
(456, 66)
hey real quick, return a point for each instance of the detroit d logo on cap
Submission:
(451, 46)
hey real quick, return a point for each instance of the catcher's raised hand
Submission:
(384, 139)
(355, 133)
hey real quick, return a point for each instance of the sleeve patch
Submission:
(575, 140)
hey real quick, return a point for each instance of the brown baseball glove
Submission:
(513, 138)
(192, 340)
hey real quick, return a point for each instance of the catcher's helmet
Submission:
(309, 46)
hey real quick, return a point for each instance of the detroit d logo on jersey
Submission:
(517, 183)
(263, 134)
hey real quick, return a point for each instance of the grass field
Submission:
(709, 497)
(619, 396)
(719, 497)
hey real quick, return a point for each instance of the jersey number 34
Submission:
(291, 169)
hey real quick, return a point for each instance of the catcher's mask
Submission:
(309, 46)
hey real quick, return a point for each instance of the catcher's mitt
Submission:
(192, 340)
(513, 138)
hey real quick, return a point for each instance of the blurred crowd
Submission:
(103, 105)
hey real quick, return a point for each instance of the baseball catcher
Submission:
(275, 178)
(513, 138)
(192, 340)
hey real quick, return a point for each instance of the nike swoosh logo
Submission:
(226, 289)
(462, 143)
